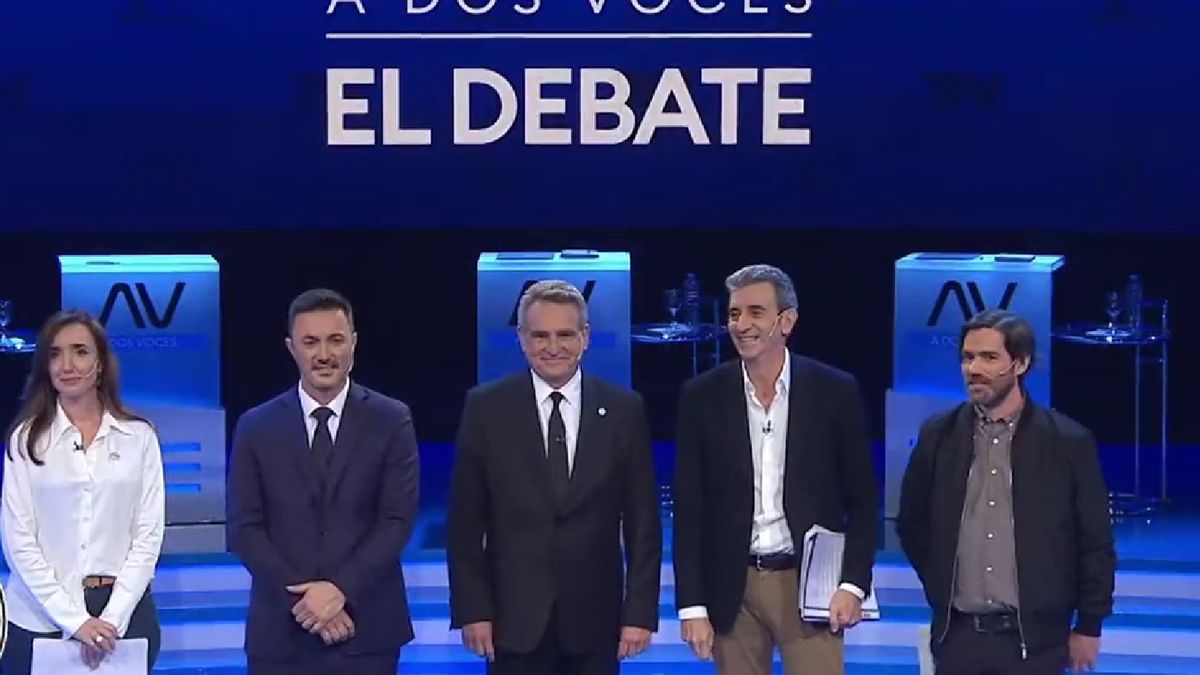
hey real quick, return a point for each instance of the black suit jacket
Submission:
(514, 556)
(828, 480)
(352, 535)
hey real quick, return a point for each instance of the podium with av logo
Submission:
(936, 293)
(602, 277)
(163, 318)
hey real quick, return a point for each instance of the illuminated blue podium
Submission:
(163, 318)
(936, 293)
(602, 277)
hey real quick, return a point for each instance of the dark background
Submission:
(414, 294)
(157, 115)
(191, 126)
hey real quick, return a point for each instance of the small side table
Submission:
(675, 334)
(18, 342)
(1149, 345)
(15, 357)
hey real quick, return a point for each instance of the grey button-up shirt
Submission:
(986, 579)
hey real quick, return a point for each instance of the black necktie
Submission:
(322, 443)
(556, 450)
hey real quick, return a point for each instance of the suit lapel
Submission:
(530, 440)
(350, 429)
(801, 405)
(739, 429)
(299, 452)
(592, 444)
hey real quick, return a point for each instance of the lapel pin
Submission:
(602, 412)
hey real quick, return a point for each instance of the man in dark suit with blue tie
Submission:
(323, 487)
(553, 474)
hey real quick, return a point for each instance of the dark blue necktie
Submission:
(322, 443)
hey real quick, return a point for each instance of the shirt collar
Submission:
(308, 404)
(983, 418)
(782, 384)
(571, 391)
(63, 424)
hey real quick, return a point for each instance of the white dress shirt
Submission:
(569, 408)
(769, 531)
(308, 404)
(768, 451)
(94, 511)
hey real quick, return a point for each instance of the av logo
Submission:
(587, 289)
(974, 307)
(141, 308)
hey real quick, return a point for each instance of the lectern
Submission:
(602, 277)
(163, 318)
(935, 294)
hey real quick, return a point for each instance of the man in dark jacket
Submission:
(1004, 516)
(554, 537)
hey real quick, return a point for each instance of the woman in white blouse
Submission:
(83, 503)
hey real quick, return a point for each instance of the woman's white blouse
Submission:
(98, 511)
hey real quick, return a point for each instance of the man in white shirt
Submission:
(768, 446)
(553, 472)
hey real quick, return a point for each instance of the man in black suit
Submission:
(322, 499)
(553, 473)
(1004, 516)
(768, 446)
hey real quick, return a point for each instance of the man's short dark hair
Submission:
(319, 299)
(1017, 331)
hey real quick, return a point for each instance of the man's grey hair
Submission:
(556, 291)
(785, 292)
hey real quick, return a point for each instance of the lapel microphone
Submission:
(767, 427)
(78, 447)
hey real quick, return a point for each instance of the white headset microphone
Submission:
(766, 428)
(95, 366)
(774, 326)
(89, 373)
(1012, 364)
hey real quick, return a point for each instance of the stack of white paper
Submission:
(63, 657)
(821, 574)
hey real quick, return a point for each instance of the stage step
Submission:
(202, 601)
(659, 659)
(905, 605)
(215, 572)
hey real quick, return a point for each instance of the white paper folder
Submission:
(821, 574)
(63, 657)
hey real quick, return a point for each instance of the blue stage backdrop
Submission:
(584, 113)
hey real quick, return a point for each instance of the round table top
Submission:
(18, 342)
(677, 333)
(1103, 334)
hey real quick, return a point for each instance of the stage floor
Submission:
(1156, 629)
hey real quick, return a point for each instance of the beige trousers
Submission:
(769, 618)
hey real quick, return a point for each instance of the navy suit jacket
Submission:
(287, 533)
